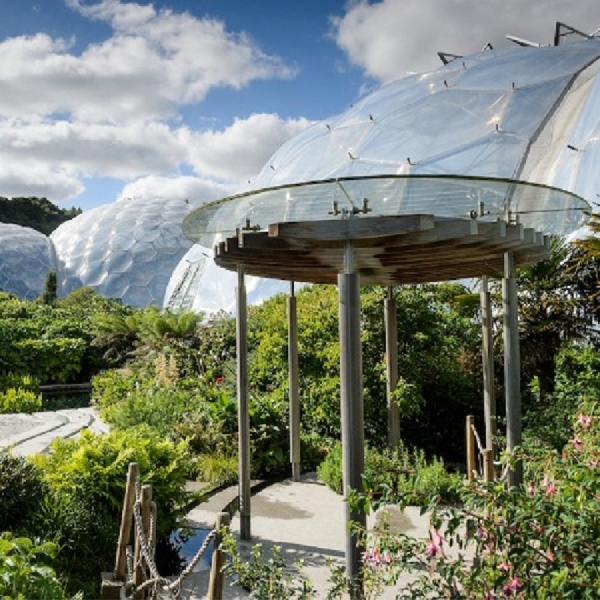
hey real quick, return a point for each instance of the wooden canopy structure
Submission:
(386, 250)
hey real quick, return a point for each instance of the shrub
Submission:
(21, 490)
(18, 400)
(538, 540)
(401, 470)
(86, 478)
(25, 570)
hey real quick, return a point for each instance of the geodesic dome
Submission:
(126, 250)
(26, 258)
(453, 143)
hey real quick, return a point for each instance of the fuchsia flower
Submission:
(577, 443)
(504, 567)
(435, 545)
(550, 488)
(512, 587)
(584, 420)
(218, 380)
(375, 560)
(530, 489)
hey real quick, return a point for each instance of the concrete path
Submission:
(306, 520)
(26, 434)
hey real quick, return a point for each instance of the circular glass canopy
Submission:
(543, 208)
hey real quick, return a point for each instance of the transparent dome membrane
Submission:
(546, 209)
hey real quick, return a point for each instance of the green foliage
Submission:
(37, 213)
(538, 540)
(265, 577)
(21, 489)
(19, 401)
(86, 482)
(577, 379)
(49, 293)
(23, 382)
(25, 570)
(402, 470)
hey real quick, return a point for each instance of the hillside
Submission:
(37, 213)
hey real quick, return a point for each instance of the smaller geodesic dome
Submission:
(125, 250)
(26, 258)
(197, 284)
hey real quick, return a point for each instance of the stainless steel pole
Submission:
(351, 405)
(391, 360)
(243, 415)
(512, 365)
(293, 375)
(487, 352)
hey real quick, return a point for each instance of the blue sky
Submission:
(111, 99)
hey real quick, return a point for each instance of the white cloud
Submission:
(242, 149)
(392, 37)
(193, 188)
(55, 155)
(113, 110)
(153, 63)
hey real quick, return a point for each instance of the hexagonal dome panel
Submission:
(26, 258)
(140, 240)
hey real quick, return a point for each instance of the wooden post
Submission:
(391, 356)
(293, 375)
(139, 575)
(471, 459)
(488, 465)
(126, 518)
(217, 577)
(487, 352)
(351, 400)
(512, 365)
(243, 414)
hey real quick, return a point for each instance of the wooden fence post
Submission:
(471, 460)
(217, 577)
(126, 518)
(488, 465)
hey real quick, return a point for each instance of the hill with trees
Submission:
(36, 213)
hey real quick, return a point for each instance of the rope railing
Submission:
(136, 573)
(476, 453)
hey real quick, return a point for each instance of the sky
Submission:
(107, 100)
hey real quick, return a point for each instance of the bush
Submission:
(538, 540)
(25, 570)
(402, 470)
(21, 490)
(86, 480)
(18, 401)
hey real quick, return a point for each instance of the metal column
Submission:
(243, 415)
(293, 383)
(353, 454)
(487, 352)
(391, 358)
(512, 365)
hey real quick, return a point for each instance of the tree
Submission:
(49, 294)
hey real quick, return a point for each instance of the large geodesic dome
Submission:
(125, 250)
(453, 142)
(26, 258)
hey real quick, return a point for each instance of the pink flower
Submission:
(550, 556)
(584, 420)
(504, 567)
(550, 488)
(482, 533)
(218, 380)
(577, 443)
(530, 489)
(512, 587)
(375, 560)
(593, 463)
(435, 545)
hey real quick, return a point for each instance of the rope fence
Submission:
(480, 460)
(136, 575)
